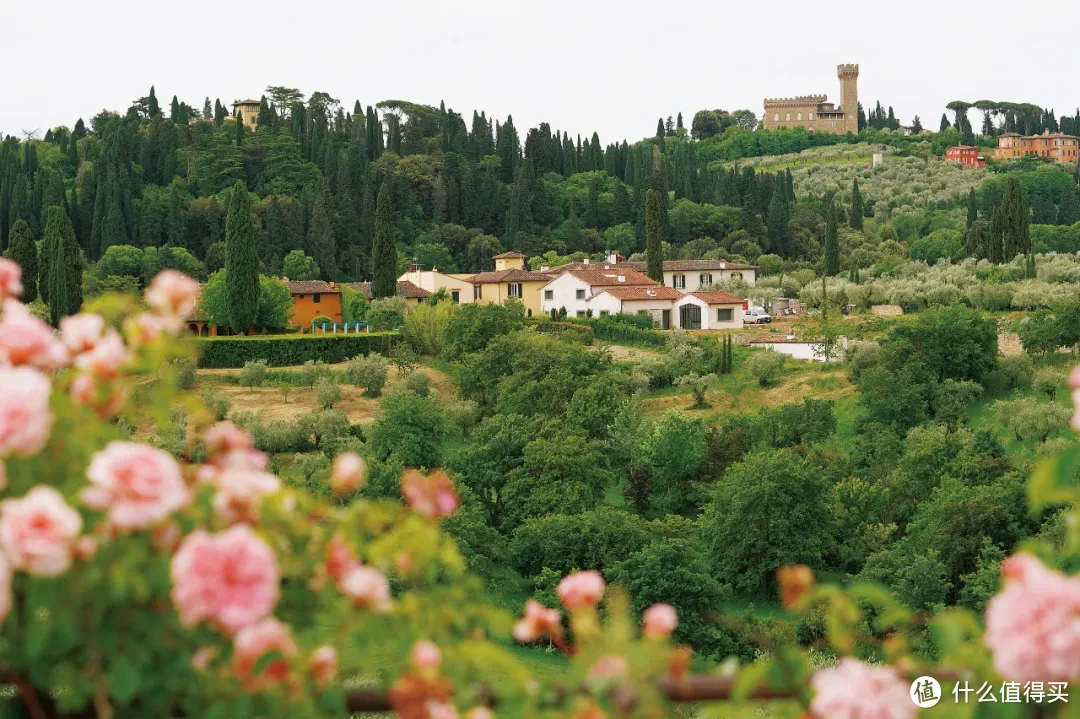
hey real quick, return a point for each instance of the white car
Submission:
(756, 316)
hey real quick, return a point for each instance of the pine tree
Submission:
(241, 261)
(1015, 223)
(972, 208)
(945, 124)
(174, 110)
(654, 247)
(856, 219)
(65, 276)
(152, 108)
(831, 256)
(23, 252)
(384, 249)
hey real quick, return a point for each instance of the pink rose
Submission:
(432, 496)
(539, 621)
(6, 598)
(85, 548)
(581, 590)
(659, 621)
(225, 437)
(324, 666)
(81, 332)
(229, 579)
(348, 474)
(172, 294)
(106, 357)
(136, 484)
(240, 492)
(25, 419)
(479, 713)
(367, 587)
(255, 641)
(426, 657)
(146, 328)
(86, 391)
(202, 657)
(852, 689)
(440, 710)
(26, 340)
(10, 279)
(38, 531)
(609, 666)
(1033, 624)
(339, 558)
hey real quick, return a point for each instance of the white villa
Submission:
(710, 311)
(573, 289)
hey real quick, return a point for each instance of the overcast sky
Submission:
(608, 66)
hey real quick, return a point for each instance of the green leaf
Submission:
(1054, 480)
(749, 679)
(124, 680)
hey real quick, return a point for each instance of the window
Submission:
(680, 281)
(776, 117)
(736, 275)
(811, 117)
(787, 116)
(514, 290)
(604, 313)
(798, 116)
(724, 315)
(316, 298)
(478, 292)
(704, 279)
(580, 294)
(549, 294)
(581, 313)
(455, 297)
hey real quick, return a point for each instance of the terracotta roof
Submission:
(308, 287)
(404, 289)
(641, 293)
(247, 102)
(676, 265)
(508, 255)
(570, 266)
(609, 278)
(718, 298)
(511, 275)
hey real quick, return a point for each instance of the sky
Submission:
(604, 66)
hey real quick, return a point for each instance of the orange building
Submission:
(1056, 146)
(314, 298)
(965, 155)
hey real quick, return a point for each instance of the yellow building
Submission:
(510, 279)
(1056, 145)
(249, 110)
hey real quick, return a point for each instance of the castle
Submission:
(814, 113)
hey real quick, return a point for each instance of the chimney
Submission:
(434, 269)
(723, 265)
(613, 257)
(284, 279)
(622, 278)
(544, 268)
(586, 260)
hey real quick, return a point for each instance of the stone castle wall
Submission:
(814, 112)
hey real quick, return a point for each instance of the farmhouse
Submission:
(693, 275)
(457, 285)
(572, 290)
(510, 279)
(653, 301)
(314, 298)
(710, 311)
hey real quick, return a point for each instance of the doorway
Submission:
(690, 317)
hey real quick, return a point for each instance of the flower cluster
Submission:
(853, 689)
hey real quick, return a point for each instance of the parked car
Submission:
(756, 316)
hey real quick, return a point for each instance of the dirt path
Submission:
(620, 353)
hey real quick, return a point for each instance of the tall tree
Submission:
(856, 206)
(239, 128)
(779, 229)
(241, 261)
(65, 274)
(152, 107)
(384, 249)
(972, 208)
(916, 125)
(1015, 221)
(23, 252)
(945, 124)
(321, 234)
(654, 242)
(830, 259)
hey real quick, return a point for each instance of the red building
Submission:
(965, 155)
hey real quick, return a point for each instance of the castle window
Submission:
(787, 116)
(811, 117)
(798, 116)
(776, 117)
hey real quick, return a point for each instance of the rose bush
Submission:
(135, 583)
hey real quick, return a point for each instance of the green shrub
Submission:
(289, 350)
(368, 372)
(425, 327)
(568, 331)
(462, 414)
(321, 320)
(312, 371)
(218, 403)
(327, 392)
(624, 333)
(418, 383)
(254, 374)
(411, 430)
(185, 372)
(765, 366)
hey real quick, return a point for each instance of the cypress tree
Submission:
(621, 207)
(384, 249)
(678, 123)
(1069, 212)
(219, 112)
(65, 275)
(174, 110)
(80, 129)
(1015, 224)
(23, 252)
(972, 208)
(592, 207)
(856, 206)
(152, 108)
(779, 229)
(831, 256)
(945, 124)
(73, 154)
(241, 261)
(239, 128)
(321, 235)
(76, 214)
(654, 247)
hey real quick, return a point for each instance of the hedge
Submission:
(568, 331)
(288, 350)
(625, 334)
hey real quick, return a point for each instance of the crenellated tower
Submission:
(849, 95)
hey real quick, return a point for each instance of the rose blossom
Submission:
(659, 621)
(432, 496)
(81, 332)
(106, 357)
(255, 641)
(479, 713)
(6, 599)
(229, 579)
(85, 392)
(852, 689)
(440, 710)
(85, 548)
(1033, 624)
(10, 279)
(25, 419)
(347, 474)
(426, 657)
(173, 294)
(539, 621)
(367, 587)
(136, 484)
(145, 328)
(581, 589)
(324, 665)
(37, 532)
(339, 558)
(240, 491)
(226, 436)
(202, 657)
(26, 340)
(608, 666)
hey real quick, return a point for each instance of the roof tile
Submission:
(718, 298)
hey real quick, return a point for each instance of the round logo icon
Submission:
(925, 692)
